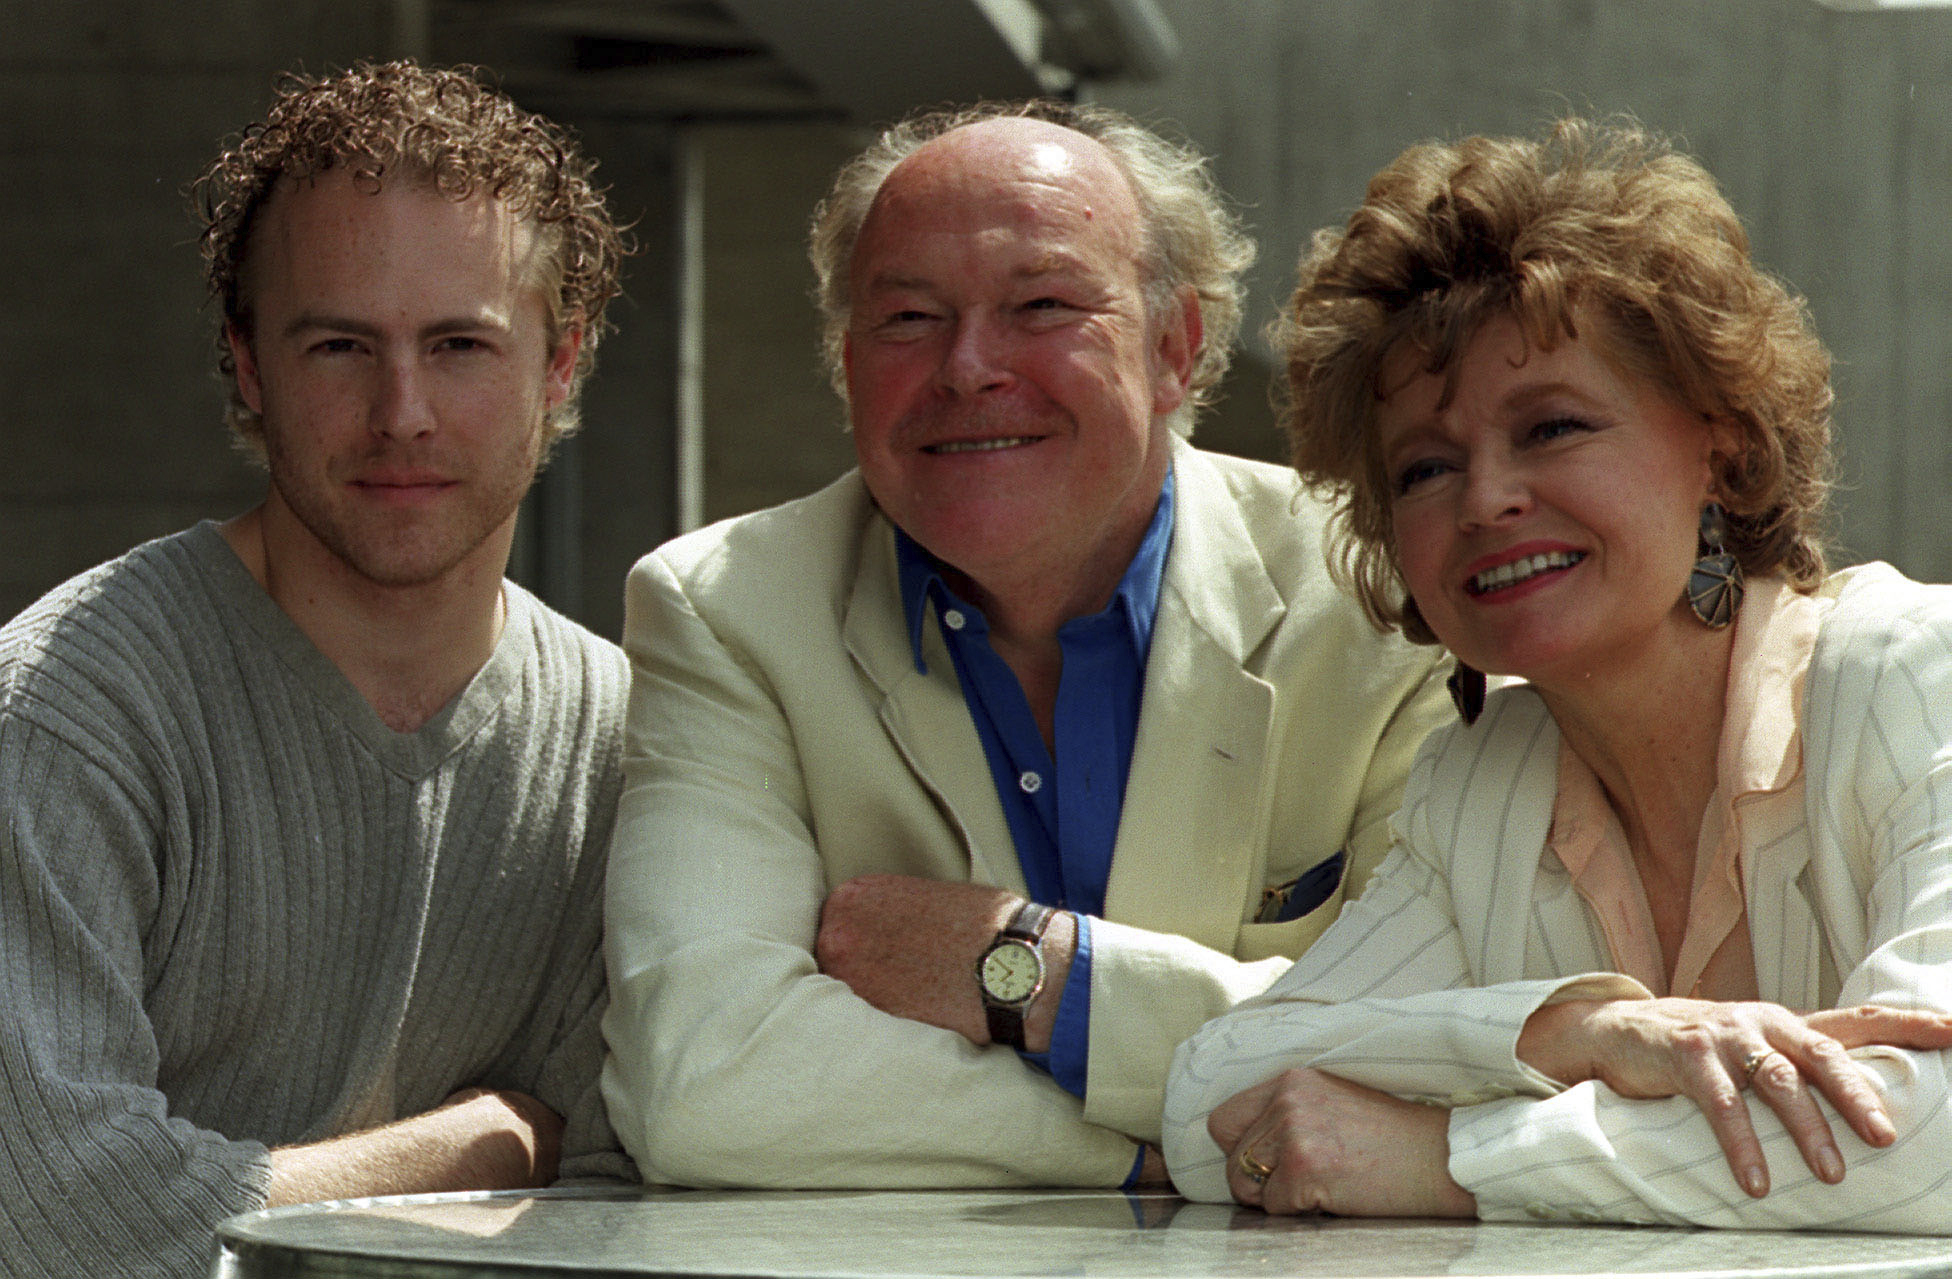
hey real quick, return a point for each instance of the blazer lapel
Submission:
(1499, 814)
(924, 713)
(1190, 829)
(1783, 930)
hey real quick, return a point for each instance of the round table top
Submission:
(837, 1234)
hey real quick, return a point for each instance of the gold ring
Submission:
(1255, 1171)
(1753, 1062)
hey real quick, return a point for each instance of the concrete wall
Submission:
(1830, 131)
(608, 497)
(774, 428)
(109, 410)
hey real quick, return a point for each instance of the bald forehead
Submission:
(1028, 147)
(1028, 159)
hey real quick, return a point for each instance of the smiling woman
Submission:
(1665, 933)
(1543, 504)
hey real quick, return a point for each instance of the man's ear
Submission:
(562, 365)
(1175, 351)
(245, 361)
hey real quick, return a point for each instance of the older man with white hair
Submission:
(960, 792)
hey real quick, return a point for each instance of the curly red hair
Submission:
(1600, 219)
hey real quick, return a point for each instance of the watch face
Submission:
(1011, 972)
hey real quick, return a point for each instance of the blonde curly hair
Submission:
(1601, 218)
(441, 126)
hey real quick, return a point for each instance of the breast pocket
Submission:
(1292, 915)
(1302, 894)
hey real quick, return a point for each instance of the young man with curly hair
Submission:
(305, 812)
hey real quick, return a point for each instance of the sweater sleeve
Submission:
(566, 1078)
(574, 755)
(559, 1055)
(96, 1175)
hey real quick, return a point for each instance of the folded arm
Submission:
(475, 1140)
(909, 947)
(1519, 1140)
(98, 1174)
(1379, 1001)
(1548, 1138)
(556, 1057)
(1711, 1052)
(733, 1059)
(1878, 765)
(756, 786)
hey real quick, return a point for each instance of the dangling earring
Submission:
(1466, 686)
(1715, 584)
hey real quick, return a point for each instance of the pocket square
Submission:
(1283, 902)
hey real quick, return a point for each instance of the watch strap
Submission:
(1006, 1024)
(1026, 925)
(1029, 923)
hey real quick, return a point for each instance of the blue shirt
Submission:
(1063, 811)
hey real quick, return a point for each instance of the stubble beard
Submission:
(403, 549)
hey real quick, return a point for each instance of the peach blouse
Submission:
(1757, 800)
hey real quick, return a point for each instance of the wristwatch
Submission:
(1011, 972)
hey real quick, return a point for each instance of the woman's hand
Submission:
(1328, 1145)
(1709, 1052)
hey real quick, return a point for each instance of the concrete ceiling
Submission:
(862, 60)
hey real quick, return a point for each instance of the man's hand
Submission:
(909, 947)
(1332, 1146)
(475, 1140)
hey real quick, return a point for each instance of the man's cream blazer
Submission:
(782, 741)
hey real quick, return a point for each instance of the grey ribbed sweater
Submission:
(237, 911)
